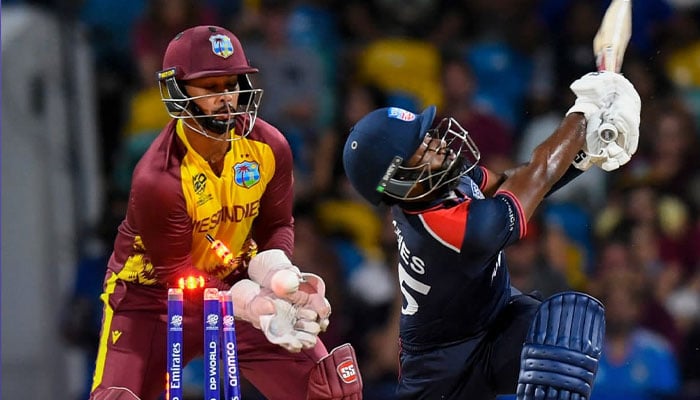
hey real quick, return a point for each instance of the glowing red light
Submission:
(191, 282)
(222, 252)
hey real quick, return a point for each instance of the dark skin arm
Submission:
(493, 181)
(530, 182)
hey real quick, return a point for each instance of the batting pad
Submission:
(560, 356)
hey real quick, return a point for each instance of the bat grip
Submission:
(607, 132)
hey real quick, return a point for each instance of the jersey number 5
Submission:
(407, 282)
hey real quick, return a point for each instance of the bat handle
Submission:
(607, 132)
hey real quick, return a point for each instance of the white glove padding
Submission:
(266, 264)
(284, 329)
(593, 91)
(277, 318)
(607, 100)
(623, 116)
(272, 269)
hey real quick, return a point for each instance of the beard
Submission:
(214, 124)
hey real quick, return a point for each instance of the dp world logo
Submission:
(246, 174)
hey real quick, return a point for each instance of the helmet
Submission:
(206, 51)
(380, 143)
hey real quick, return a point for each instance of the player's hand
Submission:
(279, 319)
(311, 301)
(273, 270)
(622, 117)
(607, 99)
(593, 91)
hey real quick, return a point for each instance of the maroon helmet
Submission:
(207, 51)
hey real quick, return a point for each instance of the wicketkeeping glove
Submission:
(607, 100)
(272, 269)
(277, 318)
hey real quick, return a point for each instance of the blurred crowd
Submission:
(502, 69)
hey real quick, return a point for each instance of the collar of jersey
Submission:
(180, 129)
(452, 199)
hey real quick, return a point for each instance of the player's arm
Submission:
(496, 222)
(488, 180)
(571, 173)
(159, 213)
(549, 161)
(491, 180)
(599, 96)
(273, 228)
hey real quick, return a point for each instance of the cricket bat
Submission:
(609, 45)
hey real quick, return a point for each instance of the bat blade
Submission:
(611, 40)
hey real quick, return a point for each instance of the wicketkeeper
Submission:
(216, 170)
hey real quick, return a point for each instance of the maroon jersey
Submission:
(176, 200)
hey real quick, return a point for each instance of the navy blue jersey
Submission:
(452, 269)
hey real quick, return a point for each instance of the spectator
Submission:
(160, 22)
(294, 76)
(529, 269)
(636, 364)
(109, 25)
(357, 100)
(494, 136)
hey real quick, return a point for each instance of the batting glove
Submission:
(608, 101)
